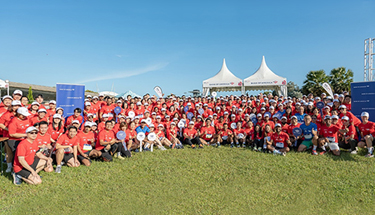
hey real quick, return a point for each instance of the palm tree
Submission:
(314, 81)
(340, 79)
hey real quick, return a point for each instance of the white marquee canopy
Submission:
(224, 80)
(265, 79)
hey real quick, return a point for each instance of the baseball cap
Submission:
(277, 125)
(191, 123)
(19, 92)
(42, 110)
(35, 103)
(161, 125)
(259, 115)
(23, 111)
(293, 117)
(143, 120)
(30, 129)
(342, 106)
(16, 102)
(87, 104)
(88, 124)
(7, 97)
(57, 116)
(75, 121)
(327, 117)
(105, 115)
(345, 118)
(52, 102)
(284, 117)
(365, 114)
(334, 117)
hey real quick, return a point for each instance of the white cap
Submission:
(89, 96)
(52, 102)
(196, 105)
(205, 105)
(284, 117)
(275, 116)
(191, 123)
(163, 109)
(7, 97)
(59, 108)
(143, 120)
(263, 108)
(90, 114)
(119, 101)
(16, 102)
(266, 115)
(232, 115)
(88, 123)
(342, 106)
(217, 108)
(95, 97)
(87, 104)
(336, 100)
(280, 104)
(173, 123)
(75, 121)
(293, 117)
(161, 125)
(56, 116)
(30, 129)
(277, 124)
(310, 103)
(259, 115)
(335, 117)
(153, 113)
(139, 103)
(175, 119)
(189, 104)
(42, 110)
(341, 96)
(345, 118)
(105, 115)
(365, 114)
(93, 123)
(23, 111)
(272, 107)
(35, 103)
(327, 107)
(145, 104)
(158, 117)
(327, 117)
(151, 126)
(19, 92)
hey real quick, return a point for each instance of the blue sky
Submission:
(136, 45)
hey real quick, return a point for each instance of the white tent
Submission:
(129, 92)
(265, 79)
(224, 80)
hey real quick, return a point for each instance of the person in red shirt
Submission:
(349, 139)
(208, 134)
(225, 135)
(5, 104)
(328, 136)
(267, 133)
(86, 145)
(107, 142)
(17, 132)
(249, 131)
(43, 139)
(7, 116)
(239, 135)
(132, 143)
(75, 116)
(29, 160)
(66, 149)
(258, 138)
(191, 136)
(41, 116)
(367, 132)
(52, 108)
(279, 142)
(352, 119)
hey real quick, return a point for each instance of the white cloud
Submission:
(125, 74)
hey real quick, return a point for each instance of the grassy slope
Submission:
(222, 181)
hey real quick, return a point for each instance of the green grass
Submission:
(204, 181)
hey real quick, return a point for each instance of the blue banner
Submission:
(70, 97)
(363, 98)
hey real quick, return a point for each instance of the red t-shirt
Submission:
(291, 127)
(27, 150)
(105, 135)
(172, 132)
(190, 132)
(5, 120)
(71, 118)
(210, 132)
(130, 134)
(367, 128)
(330, 132)
(280, 140)
(85, 141)
(55, 133)
(65, 140)
(18, 126)
(43, 140)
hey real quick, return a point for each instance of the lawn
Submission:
(202, 181)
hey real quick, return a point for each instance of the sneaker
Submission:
(231, 145)
(218, 145)
(17, 179)
(314, 152)
(238, 146)
(259, 149)
(323, 152)
(369, 155)
(163, 148)
(119, 157)
(354, 152)
(136, 150)
(243, 146)
(146, 149)
(9, 169)
(62, 163)
(283, 154)
(214, 144)
(181, 146)
(274, 152)
(255, 148)
(193, 146)
(58, 169)
(200, 146)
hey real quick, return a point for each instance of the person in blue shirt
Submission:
(300, 115)
(143, 128)
(309, 132)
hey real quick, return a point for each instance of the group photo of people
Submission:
(40, 137)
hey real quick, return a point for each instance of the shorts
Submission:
(13, 144)
(26, 173)
(67, 157)
(81, 158)
(333, 146)
(307, 143)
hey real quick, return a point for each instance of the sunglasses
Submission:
(34, 132)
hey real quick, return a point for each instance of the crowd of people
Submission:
(40, 135)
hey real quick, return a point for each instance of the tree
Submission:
(293, 90)
(314, 81)
(30, 95)
(340, 79)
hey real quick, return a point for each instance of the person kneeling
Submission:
(86, 144)
(29, 160)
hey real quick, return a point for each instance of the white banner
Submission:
(158, 91)
(328, 89)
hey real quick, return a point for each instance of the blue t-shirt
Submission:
(307, 130)
(300, 117)
(144, 130)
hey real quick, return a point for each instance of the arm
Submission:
(25, 165)
(43, 157)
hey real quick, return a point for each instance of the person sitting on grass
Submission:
(208, 133)
(310, 135)
(279, 142)
(66, 149)
(143, 128)
(367, 132)
(239, 135)
(29, 160)
(191, 136)
(157, 142)
(106, 142)
(85, 145)
(132, 143)
(328, 136)
(349, 139)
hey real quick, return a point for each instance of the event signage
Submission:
(70, 97)
(363, 98)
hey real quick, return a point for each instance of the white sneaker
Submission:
(354, 152)
(283, 154)
(163, 148)
(9, 169)
(58, 169)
